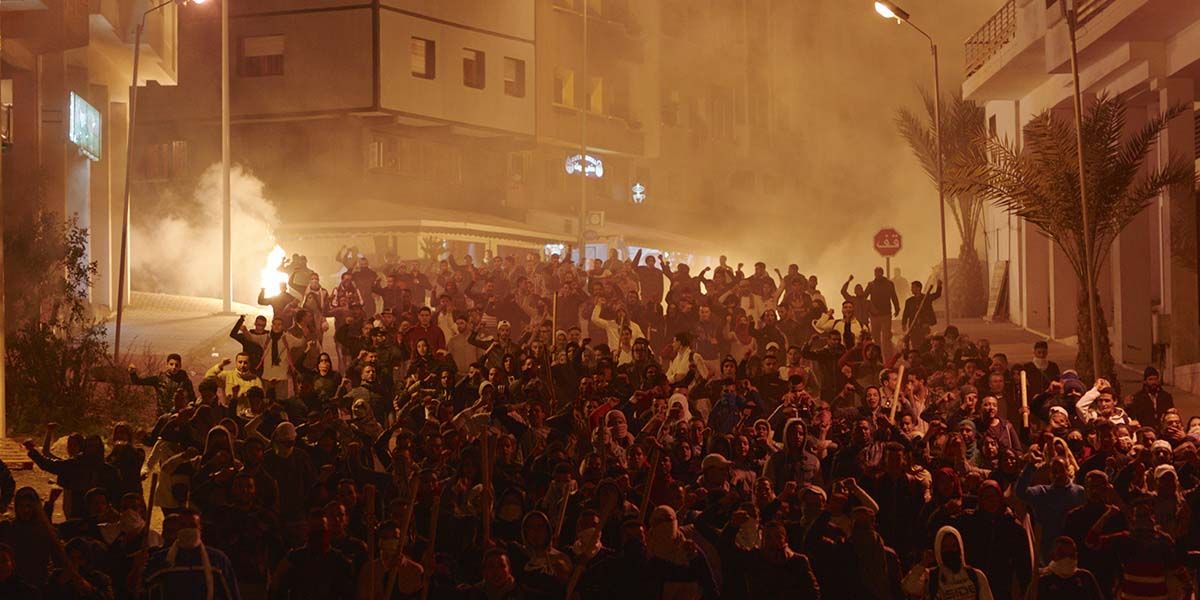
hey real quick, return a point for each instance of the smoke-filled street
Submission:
(594, 299)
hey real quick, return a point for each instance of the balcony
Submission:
(1006, 57)
(995, 34)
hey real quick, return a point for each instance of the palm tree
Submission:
(1040, 183)
(963, 142)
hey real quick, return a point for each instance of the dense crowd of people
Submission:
(526, 428)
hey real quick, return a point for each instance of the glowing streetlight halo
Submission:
(889, 10)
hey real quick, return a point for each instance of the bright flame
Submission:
(884, 10)
(269, 277)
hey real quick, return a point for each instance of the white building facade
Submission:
(1147, 52)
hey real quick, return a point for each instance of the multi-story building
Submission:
(403, 111)
(64, 79)
(340, 106)
(1148, 53)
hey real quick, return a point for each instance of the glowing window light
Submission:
(639, 193)
(84, 127)
(552, 249)
(591, 165)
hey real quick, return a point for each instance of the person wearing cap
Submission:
(1059, 421)
(1151, 402)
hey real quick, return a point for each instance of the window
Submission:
(596, 95)
(397, 155)
(672, 108)
(261, 56)
(423, 56)
(166, 160)
(474, 68)
(514, 77)
(564, 86)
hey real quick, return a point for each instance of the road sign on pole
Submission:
(888, 242)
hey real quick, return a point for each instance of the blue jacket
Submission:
(184, 580)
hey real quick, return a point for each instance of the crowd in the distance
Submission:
(525, 428)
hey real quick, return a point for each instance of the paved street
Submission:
(155, 325)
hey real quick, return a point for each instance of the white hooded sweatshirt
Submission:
(951, 585)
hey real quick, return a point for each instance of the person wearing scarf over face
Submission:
(188, 569)
(541, 570)
(1062, 579)
(944, 575)
(676, 568)
(593, 561)
(393, 575)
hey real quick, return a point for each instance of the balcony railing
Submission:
(1086, 10)
(994, 35)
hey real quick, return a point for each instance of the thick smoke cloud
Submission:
(176, 247)
(850, 70)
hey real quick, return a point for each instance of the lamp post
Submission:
(1089, 280)
(889, 10)
(226, 199)
(583, 152)
(137, 51)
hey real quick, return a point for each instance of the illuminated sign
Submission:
(84, 130)
(639, 193)
(592, 166)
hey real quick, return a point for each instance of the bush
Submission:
(54, 343)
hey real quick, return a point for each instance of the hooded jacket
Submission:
(942, 582)
(793, 463)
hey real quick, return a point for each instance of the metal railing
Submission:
(1086, 10)
(996, 33)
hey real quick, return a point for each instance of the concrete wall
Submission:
(446, 97)
(337, 45)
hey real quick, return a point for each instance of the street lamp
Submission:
(889, 10)
(137, 52)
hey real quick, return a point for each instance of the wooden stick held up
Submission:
(896, 394)
(1025, 399)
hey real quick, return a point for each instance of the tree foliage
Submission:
(54, 342)
(1040, 183)
(964, 142)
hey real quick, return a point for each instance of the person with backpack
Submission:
(944, 574)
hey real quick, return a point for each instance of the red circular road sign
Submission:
(888, 242)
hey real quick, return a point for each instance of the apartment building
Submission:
(1148, 53)
(65, 72)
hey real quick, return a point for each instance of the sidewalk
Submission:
(1017, 344)
(155, 325)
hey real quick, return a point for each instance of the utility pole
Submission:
(1089, 276)
(226, 199)
(583, 152)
